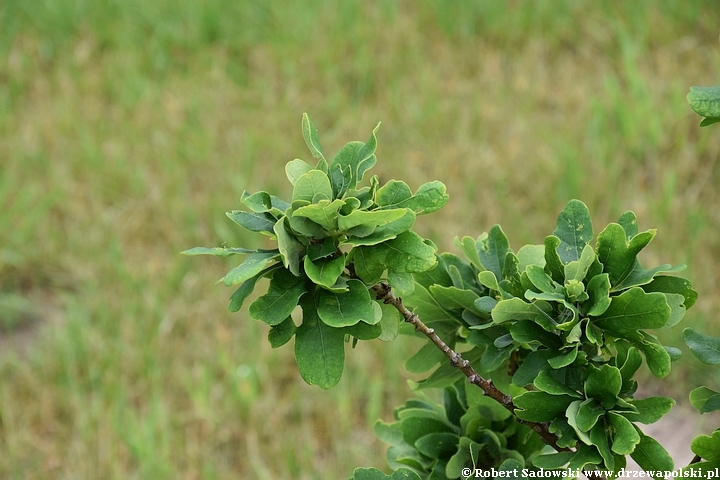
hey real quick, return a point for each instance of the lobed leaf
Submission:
(348, 308)
(635, 310)
(704, 347)
(705, 400)
(281, 299)
(574, 229)
(281, 333)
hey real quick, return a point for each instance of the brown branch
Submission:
(384, 292)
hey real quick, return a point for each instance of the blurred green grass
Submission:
(128, 128)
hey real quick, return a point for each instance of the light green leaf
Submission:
(652, 457)
(598, 290)
(324, 271)
(677, 309)
(704, 347)
(452, 298)
(701, 396)
(516, 309)
(553, 461)
(281, 333)
(585, 457)
(290, 248)
(572, 418)
(588, 415)
(319, 349)
(261, 202)
(390, 322)
(221, 251)
(577, 269)
(707, 446)
(375, 474)
(492, 248)
(374, 218)
(438, 445)
(278, 303)
(392, 193)
(384, 232)
(625, 437)
(254, 222)
(402, 283)
(312, 187)
(253, 264)
(531, 255)
(310, 135)
(574, 229)
(429, 197)
(705, 101)
(564, 359)
(545, 383)
(635, 310)
(425, 305)
(468, 247)
(348, 308)
(324, 213)
(542, 281)
(367, 266)
(408, 253)
(296, 169)
(599, 438)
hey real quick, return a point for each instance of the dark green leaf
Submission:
(639, 276)
(603, 384)
(704, 347)
(584, 457)
(424, 305)
(438, 445)
(541, 406)
(668, 284)
(492, 248)
(526, 331)
(546, 383)
(278, 303)
(650, 409)
(281, 333)
(253, 264)
(574, 229)
(348, 308)
(406, 253)
(254, 222)
(598, 437)
(588, 414)
(564, 359)
(652, 457)
(452, 298)
(553, 265)
(553, 461)
(384, 232)
(322, 250)
(319, 349)
(530, 367)
(425, 359)
(617, 254)
(656, 356)
(243, 292)
(598, 290)
(635, 310)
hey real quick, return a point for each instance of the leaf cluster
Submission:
(335, 239)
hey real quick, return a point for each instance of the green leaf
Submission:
(707, 446)
(438, 445)
(390, 322)
(677, 309)
(531, 255)
(628, 221)
(401, 282)
(324, 213)
(425, 305)
(310, 135)
(541, 406)
(598, 290)
(603, 384)
(704, 347)
(367, 266)
(635, 310)
(553, 461)
(657, 357)
(631, 365)
(574, 229)
(526, 331)
(348, 308)
(312, 187)
(319, 349)
(385, 232)
(700, 397)
(469, 248)
(407, 253)
(652, 457)
(281, 333)
(545, 383)
(261, 202)
(429, 197)
(290, 248)
(705, 101)
(516, 309)
(564, 359)
(541, 280)
(588, 414)
(584, 457)
(598, 437)
(254, 222)
(296, 169)
(375, 474)
(324, 271)
(322, 249)
(220, 251)
(452, 298)
(426, 358)
(639, 276)
(553, 265)
(253, 264)
(243, 292)
(650, 409)
(669, 284)
(374, 218)
(492, 248)
(278, 303)
(572, 417)
(616, 254)
(577, 269)
(625, 437)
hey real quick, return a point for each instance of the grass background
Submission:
(127, 128)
